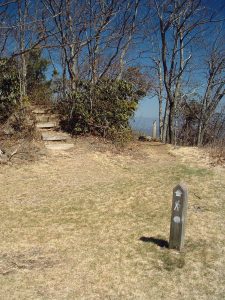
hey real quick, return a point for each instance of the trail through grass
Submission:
(90, 224)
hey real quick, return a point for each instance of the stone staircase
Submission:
(48, 125)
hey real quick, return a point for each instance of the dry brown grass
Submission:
(217, 152)
(76, 225)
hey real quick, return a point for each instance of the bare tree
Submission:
(62, 22)
(215, 88)
(93, 35)
(22, 18)
(177, 21)
(22, 33)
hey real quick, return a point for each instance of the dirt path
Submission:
(77, 225)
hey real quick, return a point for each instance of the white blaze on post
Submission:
(178, 217)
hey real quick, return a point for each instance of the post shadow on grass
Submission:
(159, 242)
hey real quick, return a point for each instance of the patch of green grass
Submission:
(186, 171)
(172, 261)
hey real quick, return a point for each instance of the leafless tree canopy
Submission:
(177, 42)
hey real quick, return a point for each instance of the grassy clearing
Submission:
(92, 225)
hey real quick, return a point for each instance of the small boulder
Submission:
(3, 157)
(144, 138)
(8, 130)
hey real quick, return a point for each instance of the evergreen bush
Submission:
(9, 88)
(102, 109)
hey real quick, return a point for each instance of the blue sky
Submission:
(147, 108)
(145, 114)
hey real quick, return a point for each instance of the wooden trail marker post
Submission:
(178, 217)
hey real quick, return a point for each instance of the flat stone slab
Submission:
(55, 136)
(59, 146)
(46, 125)
(45, 118)
(39, 111)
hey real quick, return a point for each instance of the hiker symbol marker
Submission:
(178, 216)
(177, 205)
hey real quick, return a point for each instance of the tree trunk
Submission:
(166, 123)
(22, 12)
(171, 128)
(24, 77)
(159, 92)
(200, 135)
(126, 47)
(71, 37)
(160, 119)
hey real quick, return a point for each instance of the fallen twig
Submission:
(13, 153)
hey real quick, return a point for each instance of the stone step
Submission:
(55, 136)
(46, 118)
(46, 125)
(59, 146)
(40, 111)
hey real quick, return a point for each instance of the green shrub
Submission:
(21, 124)
(9, 88)
(38, 87)
(120, 137)
(101, 109)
